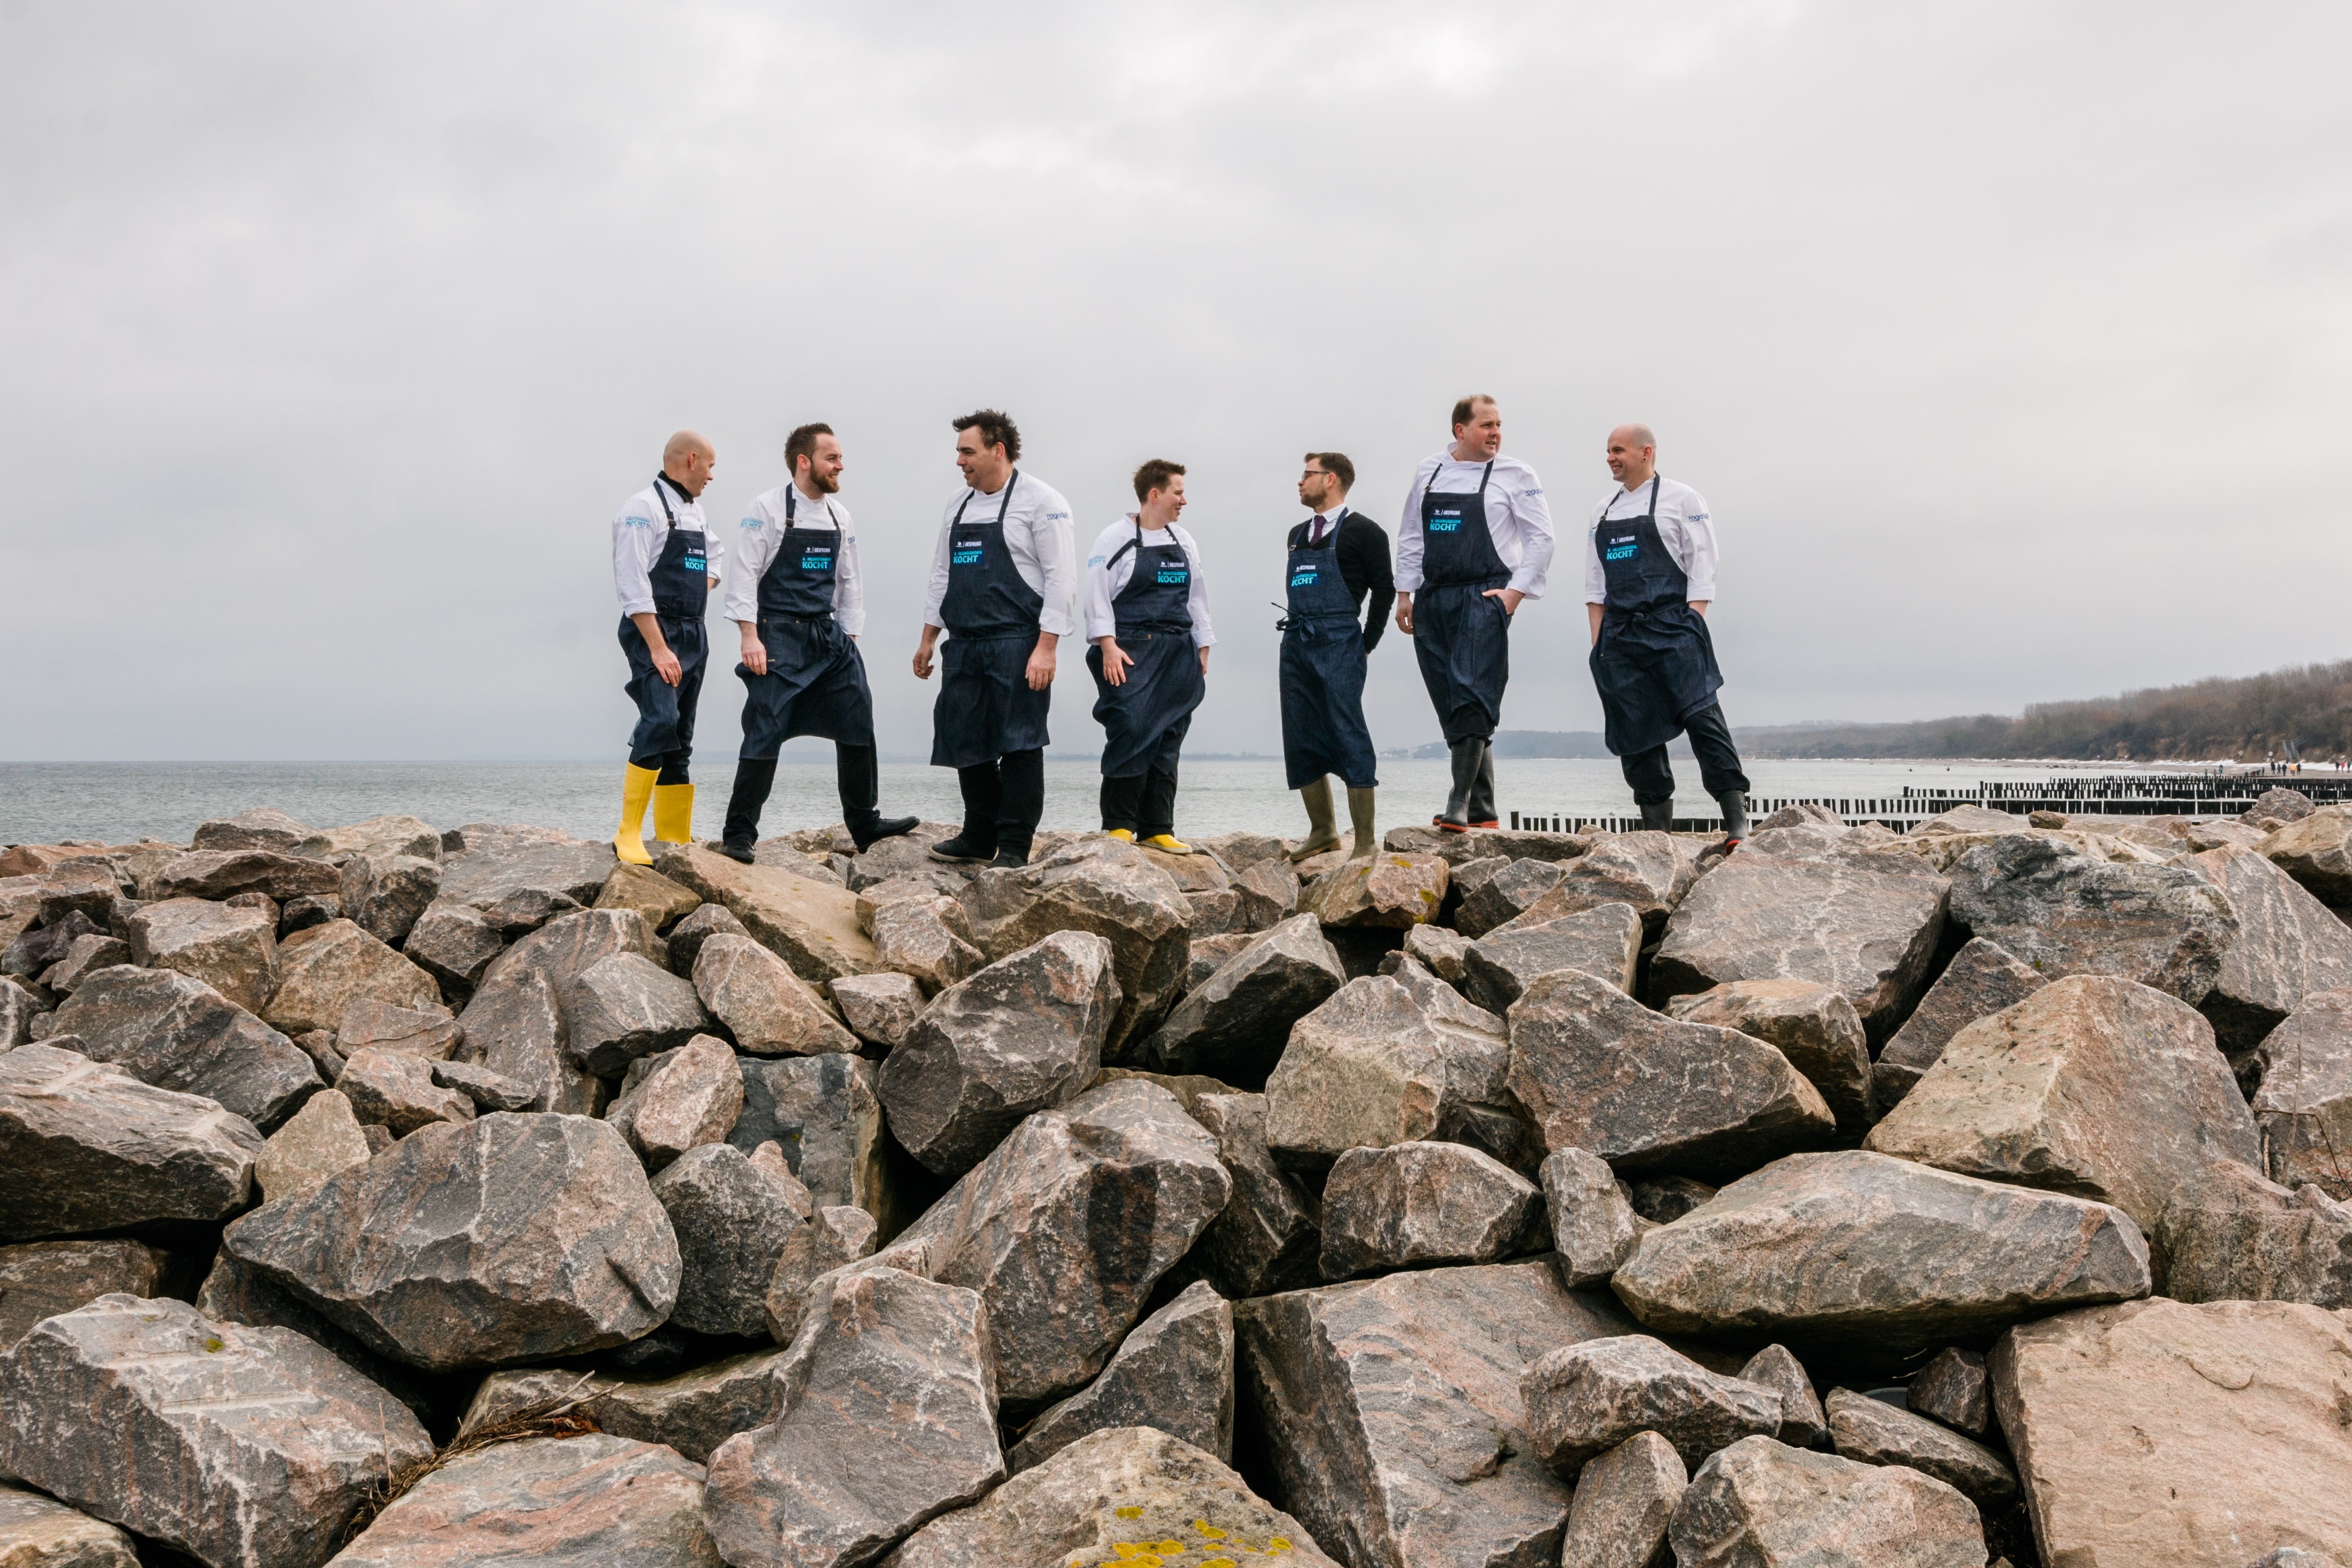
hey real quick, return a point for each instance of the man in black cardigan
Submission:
(1337, 558)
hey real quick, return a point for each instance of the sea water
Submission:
(42, 803)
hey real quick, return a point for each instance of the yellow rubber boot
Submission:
(1123, 835)
(674, 814)
(637, 789)
(1169, 844)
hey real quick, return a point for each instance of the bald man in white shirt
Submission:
(665, 564)
(1649, 577)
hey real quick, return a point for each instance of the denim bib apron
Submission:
(1148, 713)
(680, 578)
(816, 683)
(1655, 664)
(1322, 669)
(986, 708)
(1460, 637)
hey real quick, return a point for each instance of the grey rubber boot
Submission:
(1368, 839)
(1321, 834)
(1455, 818)
(1735, 817)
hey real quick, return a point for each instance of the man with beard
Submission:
(1147, 618)
(1337, 559)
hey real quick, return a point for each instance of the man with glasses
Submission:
(1337, 560)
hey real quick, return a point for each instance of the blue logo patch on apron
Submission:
(1621, 550)
(966, 553)
(1304, 578)
(1178, 575)
(1445, 525)
(695, 564)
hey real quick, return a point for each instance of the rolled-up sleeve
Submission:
(1531, 515)
(1049, 540)
(938, 593)
(1196, 597)
(633, 555)
(848, 586)
(752, 551)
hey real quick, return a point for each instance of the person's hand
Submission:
(1404, 614)
(1510, 597)
(1114, 661)
(714, 582)
(1204, 661)
(1041, 665)
(923, 662)
(1699, 608)
(666, 665)
(755, 654)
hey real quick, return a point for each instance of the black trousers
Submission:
(854, 771)
(1003, 800)
(1653, 777)
(1144, 804)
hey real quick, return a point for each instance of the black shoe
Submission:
(1008, 860)
(1658, 816)
(961, 851)
(883, 828)
(739, 853)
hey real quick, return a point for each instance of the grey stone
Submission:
(450, 941)
(385, 894)
(256, 827)
(85, 1146)
(1268, 893)
(1391, 1414)
(1872, 1432)
(395, 835)
(1623, 1499)
(397, 1092)
(1667, 1198)
(1878, 1258)
(36, 1532)
(1423, 1203)
(588, 1502)
(1982, 979)
(519, 885)
(927, 939)
(176, 1032)
(84, 957)
(1478, 1109)
(1803, 1423)
(1268, 1237)
(1232, 1024)
(1387, 890)
(567, 1251)
(2317, 851)
(692, 1412)
(1651, 871)
(1762, 1504)
(731, 1223)
(680, 1100)
(233, 951)
(231, 1293)
(217, 873)
(489, 1090)
(1204, 955)
(1489, 843)
(624, 1006)
(768, 1159)
(2281, 805)
(1102, 886)
(2065, 912)
(811, 924)
(1067, 1227)
(322, 971)
(515, 1029)
(2304, 1106)
(316, 1141)
(641, 888)
(687, 937)
(1866, 934)
(41, 1279)
(1215, 911)
(1503, 893)
(1601, 1072)
(826, 1116)
(18, 1008)
(842, 1475)
(478, 836)
(2289, 945)
(2232, 1236)
(33, 949)
(1604, 942)
(1584, 1399)
(1953, 1389)
(878, 1008)
(246, 1448)
(367, 1023)
(1173, 1373)
(1023, 1034)
(1593, 1227)
(831, 1238)
(1440, 951)
(2093, 1085)
(315, 910)
(1812, 1025)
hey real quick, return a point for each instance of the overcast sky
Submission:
(2010, 343)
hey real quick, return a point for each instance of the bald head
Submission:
(688, 459)
(1632, 455)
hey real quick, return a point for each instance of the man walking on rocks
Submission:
(663, 567)
(1649, 576)
(1147, 618)
(1475, 540)
(1001, 588)
(799, 604)
(1337, 559)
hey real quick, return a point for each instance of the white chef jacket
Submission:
(758, 537)
(1106, 580)
(1683, 528)
(1519, 519)
(1036, 535)
(638, 533)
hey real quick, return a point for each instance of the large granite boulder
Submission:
(678, 1100)
(1592, 1220)
(1097, 885)
(225, 873)
(2067, 912)
(732, 1221)
(568, 945)
(1952, 1387)
(1649, 871)
(641, 888)
(1601, 1072)
(1067, 1227)
(1878, 1258)
(318, 1141)
(564, 1247)
(245, 1448)
(397, 1093)
(1422, 1202)
(85, 1146)
(878, 1008)
(1268, 1236)
(518, 885)
(693, 1411)
(1478, 1109)
(845, 1473)
(2233, 1236)
(1174, 1372)
(1982, 979)
(453, 943)
(1232, 1026)
(1604, 942)
(2304, 1107)
(176, 1032)
(1487, 844)
(1623, 1501)
(1387, 891)
(2317, 851)
(41, 1279)
(2161, 1432)
(1114, 1495)
(826, 1116)
(232, 950)
(1391, 1412)
(589, 1501)
(1267, 893)
(1762, 1504)
(2094, 1086)
(1872, 1432)
(1803, 1423)
(395, 835)
(514, 1028)
(928, 940)
(1023, 1034)
(1810, 1024)
(36, 1532)
(1584, 1399)
(385, 894)
(809, 924)
(367, 1023)
(1866, 934)
(2289, 945)
(624, 1006)
(256, 827)
(1504, 892)
(325, 969)
(831, 1238)
(1438, 949)
(86, 957)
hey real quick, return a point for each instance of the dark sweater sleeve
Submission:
(1364, 568)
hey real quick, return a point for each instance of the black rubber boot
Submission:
(983, 792)
(1455, 818)
(1482, 788)
(752, 783)
(1735, 817)
(859, 780)
(1658, 815)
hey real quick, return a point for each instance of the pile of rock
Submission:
(382, 1195)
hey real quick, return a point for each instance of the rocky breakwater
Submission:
(379, 1195)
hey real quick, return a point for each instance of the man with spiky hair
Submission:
(1000, 589)
(1147, 618)
(799, 604)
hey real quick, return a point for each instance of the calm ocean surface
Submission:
(118, 802)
